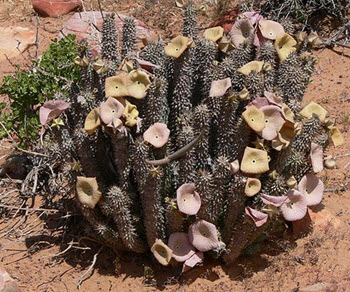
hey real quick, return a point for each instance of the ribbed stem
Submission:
(122, 215)
(149, 184)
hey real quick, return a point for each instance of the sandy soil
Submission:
(40, 259)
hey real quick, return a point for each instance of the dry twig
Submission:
(88, 273)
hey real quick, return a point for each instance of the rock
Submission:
(315, 218)
(55, 8)
(15, 40)
(320, 287)
(7, 284)
(323, 218)
(83, 26)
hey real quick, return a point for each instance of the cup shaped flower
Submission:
(177, 46)
(284, 136)
(234, 166)
(270, 29)
(300, 37)
(52, 109)
(314, 40)
(284, 46)
(291, 182)
(219, 87)
(255, 118)
(316, 156)
(111, 110)
(254, 161)
(214, 33)
(157, 135)
(87, 191)
(100, 67)
(180, 245)
(276, 201)
(225, 45)
(336, 136)
(273, 98)
(116, 124)
(329, 123)
(188, 200)
(258, 217)
(242, 31)
(253, 16)
(252, 187)
(296, 207)
(194, 260)
(273, 122)
(92, 121)
(139, 84)
(148, 66)
(312, 188)
(117, 86)
(256, 66)
(127, 65)
(82, 62)
(161, 252)
(314, 108)
(57, 123)
(287, 113)
(244, 94)
(130, 114)
(260, 102)
(203, 235)
(259, 143)
(330, 162)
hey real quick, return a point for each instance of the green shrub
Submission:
(47, 76)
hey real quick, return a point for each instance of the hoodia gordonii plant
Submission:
(194, 148)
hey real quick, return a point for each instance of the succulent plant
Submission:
(199, 143)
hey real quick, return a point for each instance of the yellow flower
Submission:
(256, 66)
(255, 118)
(336, 137)
(254, 161)
(314, 108)
(284, 45)
(57, 123)
(100, 67)
(139, 84)
(92, 121)
(130, 114)
(87, 191)
(117, 86)
(177, 46)
(214, 33)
